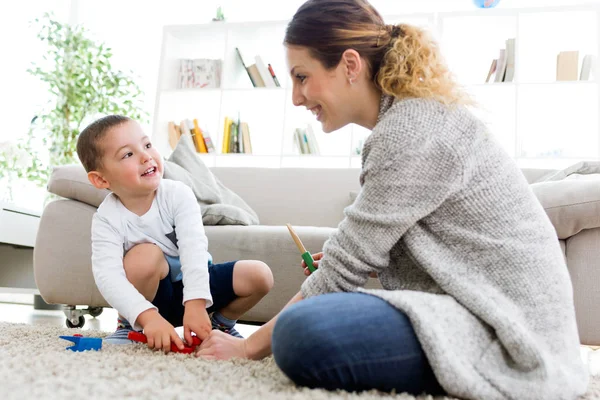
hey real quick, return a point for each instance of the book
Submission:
(587, 67)
(239, 54)
(256, 77)
(199, 73)
(246, 138)
(492, 71)
(264, 72)
(240, 143)
(313, 145)
(509, 73)
(233, 138)
(173, 135)
(567, 65)
(210, 147)
(270, 68)
(199, 138)
(226, 132)
(500, 66)
(184, 127)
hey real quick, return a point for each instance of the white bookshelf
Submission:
(539, 121)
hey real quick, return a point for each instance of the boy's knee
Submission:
(253, 277)
(143, 262)
(264, 278)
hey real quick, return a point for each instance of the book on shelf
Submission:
(588, 67)
(260, 74)
(567, 65)
(492, 71)
(509, 69)
(264, 72)
(272, 72)
(305, 140)
(236, 137)
(174, 134)
(502, 69)
(246, 138)
(239, 54)
(201, 138)
(199, 73)
(500, 66)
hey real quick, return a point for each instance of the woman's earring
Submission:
(351, 81)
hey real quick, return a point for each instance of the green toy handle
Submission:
(307, 257)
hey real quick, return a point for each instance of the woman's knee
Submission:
(295, 341)
(144, 262)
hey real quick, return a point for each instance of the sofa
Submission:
(312, 200)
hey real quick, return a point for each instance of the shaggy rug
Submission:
(35, 364)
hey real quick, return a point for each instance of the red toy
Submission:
(140, 337)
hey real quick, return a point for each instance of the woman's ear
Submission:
(353, 64)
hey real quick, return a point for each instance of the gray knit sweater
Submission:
(462, 246)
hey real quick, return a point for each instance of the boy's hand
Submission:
(159, 332)
(316, 257)
(196, 320)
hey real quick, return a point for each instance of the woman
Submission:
(477, 298)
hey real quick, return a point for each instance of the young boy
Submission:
(149, 249)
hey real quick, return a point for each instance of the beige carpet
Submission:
(35, 365)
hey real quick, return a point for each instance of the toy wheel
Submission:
(79, 324)
(96, 311)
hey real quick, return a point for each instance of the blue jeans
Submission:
(354, 342)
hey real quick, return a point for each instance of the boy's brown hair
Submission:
(89, 150)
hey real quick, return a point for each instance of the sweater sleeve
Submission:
(109, 273)
(408, 172)
(193, 245)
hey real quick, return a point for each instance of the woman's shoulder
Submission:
(421, 117)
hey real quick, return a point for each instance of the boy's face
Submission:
(131, 166)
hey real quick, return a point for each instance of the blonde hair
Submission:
(413, 67)
(404, 61)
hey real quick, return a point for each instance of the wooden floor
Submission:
(17, 308)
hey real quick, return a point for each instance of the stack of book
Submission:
(236, 137)
(199, 73)
(502, 68)
(260, 74)
(305, 141)
(567, 66)
(202, 139)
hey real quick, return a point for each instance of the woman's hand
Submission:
(316, 257)
(221, 346)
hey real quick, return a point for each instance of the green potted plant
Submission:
(82, 84)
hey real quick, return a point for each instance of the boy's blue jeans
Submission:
(351, 341)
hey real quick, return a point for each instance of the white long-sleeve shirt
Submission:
(173, 223)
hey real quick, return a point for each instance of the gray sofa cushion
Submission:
(571, 198)
(220, 205)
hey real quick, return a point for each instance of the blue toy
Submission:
(486, 3)
(83, 343)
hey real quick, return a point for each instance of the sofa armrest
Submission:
(62, 256)
(571, 204)
(274, 246)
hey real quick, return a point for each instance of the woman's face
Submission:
(323, 92)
